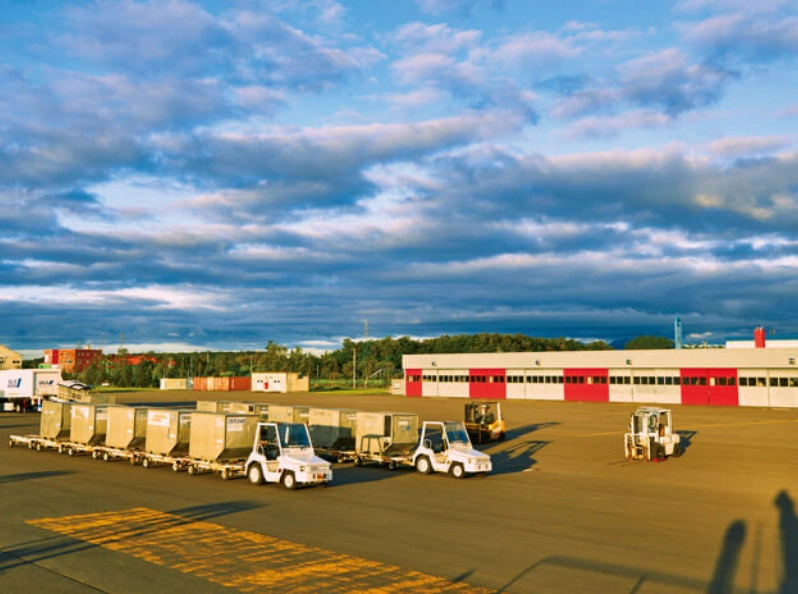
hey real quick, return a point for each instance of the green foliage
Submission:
(648, 343)
(378, 361)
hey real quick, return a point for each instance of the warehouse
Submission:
(765, 377)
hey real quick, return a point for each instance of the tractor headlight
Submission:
(302, 468)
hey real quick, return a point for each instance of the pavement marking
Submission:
(246, 561)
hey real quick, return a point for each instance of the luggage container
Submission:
(241, 384)
(127, 427)
(333, 432)
(221, 436)
(56, 420)
(213, 406)
(386, 437)
(89, 424)
(282, 413)
(168, 432)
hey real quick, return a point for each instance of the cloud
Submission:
(667, 79)
(749, 33)
(612, 126)
(462, 7)
(748, 145)
(420, 38)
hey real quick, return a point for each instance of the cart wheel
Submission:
(392, 465)
(289, 480)
(225, 474)
(358, 461)
(11, 443)
(175, 466)
(70, 451)
(457, 471)
(192, 470)
(30, 445)
(132, 460)
(106, 457)
(60, 449)
(39, 447)
(95, 454)
(146, 463)
(255, 474)
(423, 465)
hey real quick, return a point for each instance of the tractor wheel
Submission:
(423, 465)
(358, 461)
(192, 470)
(457, 470)
(255, 474)
(392, 465)
(289, 480)
(146, 463)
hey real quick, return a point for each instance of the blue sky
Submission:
(199, 175)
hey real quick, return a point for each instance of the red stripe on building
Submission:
(413, 385)
(586, 385)
(487, 383)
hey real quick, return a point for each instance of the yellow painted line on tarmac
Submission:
(246, 561)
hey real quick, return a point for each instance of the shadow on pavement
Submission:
(788, 539)
(200, 513)
(344, 476)
(28, 476)
(686, 438)
(728, 560)
(517, 457)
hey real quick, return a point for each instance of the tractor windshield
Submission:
(456, 433)
(295, 435)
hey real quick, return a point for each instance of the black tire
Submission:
(392, 465)
(225, 474)
(192, 470)
(289, 480)
(145, 463)
(677, 450)
(502, 436)
(11, 443)
(106, 457)
(458, 471)
(39, 447)
(358, 461)
(255, 474)
(175, 466)
(423, 465)
(70, 451)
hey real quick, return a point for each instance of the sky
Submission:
(179, 176)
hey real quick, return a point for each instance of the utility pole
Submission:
(354, 365)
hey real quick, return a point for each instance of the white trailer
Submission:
(26, 388)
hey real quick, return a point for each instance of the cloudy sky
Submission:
(217, 174)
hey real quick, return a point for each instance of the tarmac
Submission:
(563, 511)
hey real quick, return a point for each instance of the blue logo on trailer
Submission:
(14, 383)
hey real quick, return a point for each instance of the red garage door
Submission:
(413, 384)
(586, 385)
(487, 383)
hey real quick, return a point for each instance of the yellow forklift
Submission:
(484, 421)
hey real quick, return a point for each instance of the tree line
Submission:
(377, 361)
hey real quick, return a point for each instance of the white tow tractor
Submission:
(651, 435)
(283, 453)
(445, 447)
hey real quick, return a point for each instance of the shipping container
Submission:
(56, 420)
(200, 384)
(174, 383)
(221, 436)
(241, 384)
(168, 431)
(332, 428)
(378, 431)
(127, 427)
(89, 423)
(282, 413)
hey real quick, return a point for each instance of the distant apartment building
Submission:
(9, 359)
(72, 359)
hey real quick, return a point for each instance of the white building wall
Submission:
(270, 382)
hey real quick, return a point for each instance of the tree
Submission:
(648, 343)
